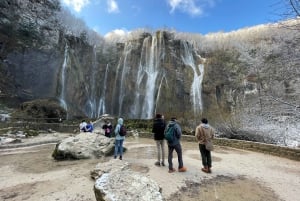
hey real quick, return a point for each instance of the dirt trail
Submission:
(31, 174)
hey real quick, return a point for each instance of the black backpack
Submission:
(122, 131)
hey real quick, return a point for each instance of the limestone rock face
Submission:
(117, 182)
(29, 37)
(84, 146)
(246, 81)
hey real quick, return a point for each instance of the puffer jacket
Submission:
(158, 128)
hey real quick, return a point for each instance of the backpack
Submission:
(169, 134)
(122, 131)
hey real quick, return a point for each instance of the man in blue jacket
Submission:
(175, 144)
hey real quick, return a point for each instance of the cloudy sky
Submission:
(195, 16)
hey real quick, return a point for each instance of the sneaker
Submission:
(172, 170)
(162, 164)
(157, 163)
(183, 169)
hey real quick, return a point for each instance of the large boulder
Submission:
(84, 146)
(119, 183)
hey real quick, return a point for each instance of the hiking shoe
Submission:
(120, 158)
(162, 164)
(115, 157)
(172, 170)
(157, 163)
(204, 170)
(183, 169)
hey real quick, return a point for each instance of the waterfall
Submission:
(124, 69)
(196, 87)
(158, 92)
(63, 78)
(152, 51)
(91, 103)
(101, 108)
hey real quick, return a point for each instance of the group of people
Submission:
(204, 132)
(86, 127)
(108, 130)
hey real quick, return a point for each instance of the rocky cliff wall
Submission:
(244, 82)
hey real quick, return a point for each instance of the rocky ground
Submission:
(30, 173)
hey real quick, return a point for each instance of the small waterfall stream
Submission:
(63, 79)
(196, 87)
(101, 107)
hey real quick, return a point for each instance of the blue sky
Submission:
(194, 16)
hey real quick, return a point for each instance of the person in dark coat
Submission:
(108, 128)
(158, 129)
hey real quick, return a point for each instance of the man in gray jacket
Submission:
(175, 144)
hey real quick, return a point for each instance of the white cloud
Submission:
(77, 5)
(116, 33)
(190, 6)
(112, 6)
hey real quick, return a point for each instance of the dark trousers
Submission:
(205, 155)
(179, 155)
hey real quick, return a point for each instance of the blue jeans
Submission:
(178, 150)
(119, 147)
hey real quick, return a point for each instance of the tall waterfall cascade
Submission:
(149, 65)
(91, 104)
(136, 85)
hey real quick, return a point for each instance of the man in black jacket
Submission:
(158, 129)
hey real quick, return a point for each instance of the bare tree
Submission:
(295, 7)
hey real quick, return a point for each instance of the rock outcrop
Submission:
(84, 146)
(116, 182)
(41, 111)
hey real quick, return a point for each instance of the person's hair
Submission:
(158, 116)
(173, 118)
(204, 120)
(83, 121)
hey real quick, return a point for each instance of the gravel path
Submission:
(29, 173)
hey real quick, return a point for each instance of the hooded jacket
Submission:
(117, 130)
(203, 133)
(177, 133)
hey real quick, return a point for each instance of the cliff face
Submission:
(247, 80)
(29, 39)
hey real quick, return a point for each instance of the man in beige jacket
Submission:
(204, 132)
